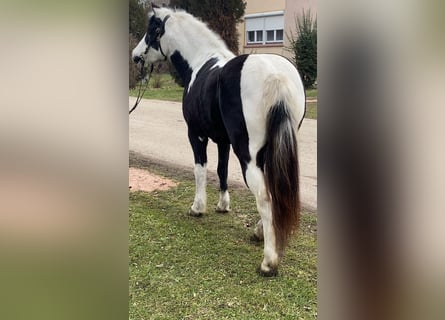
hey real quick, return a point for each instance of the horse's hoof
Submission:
(255, 238)
(193, 213)
(271, 272)
(219, 210)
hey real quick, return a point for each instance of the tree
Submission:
(303, 45)
(137, 15)
(221, 16)
(137, 26)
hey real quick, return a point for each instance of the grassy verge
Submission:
(163, 87)
(311, 110)
(204, 268)
(311, 93)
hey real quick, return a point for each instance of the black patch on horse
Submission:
(232, 109)
(154, 31)
(201, 104)
(182, 67)
(260, 158)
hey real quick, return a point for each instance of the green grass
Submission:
(204, 268)
(311, 110)
(163, 87)
(311, 93)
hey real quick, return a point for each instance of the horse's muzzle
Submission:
(137, 59)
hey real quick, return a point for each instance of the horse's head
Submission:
(149, 49)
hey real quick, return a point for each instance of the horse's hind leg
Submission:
(258, 234)
(255, 181)
(223, 162)
(199, 146)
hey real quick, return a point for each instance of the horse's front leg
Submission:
(199, 146)
(223, 162)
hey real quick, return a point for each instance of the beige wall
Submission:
(265, 49)
(241, 37)
(291, 9)
(257, 6)
(294, 8)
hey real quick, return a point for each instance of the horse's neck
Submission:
(191, 50)
(182, 67)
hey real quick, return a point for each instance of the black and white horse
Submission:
(253, 102)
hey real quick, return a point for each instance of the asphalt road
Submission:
(158, 131)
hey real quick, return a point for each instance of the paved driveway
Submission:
(158, 131)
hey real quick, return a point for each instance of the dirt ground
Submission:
(143, 180)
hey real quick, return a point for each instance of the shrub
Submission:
(137, 24)
(303, 45)
(137, 18)
(156, 79)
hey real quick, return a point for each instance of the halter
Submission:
(160, 31)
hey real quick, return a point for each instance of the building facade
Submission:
(267, 25)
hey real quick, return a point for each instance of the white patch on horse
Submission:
(278, 81)
(259, 230)
(219, 64)
(193, 77)
(255, 180)
(224, 202)
(201, 139)
(200, 202)
(139, 50)
(204, 45)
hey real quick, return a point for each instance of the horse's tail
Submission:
(281, 159)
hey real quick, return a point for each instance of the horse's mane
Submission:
(194, 23)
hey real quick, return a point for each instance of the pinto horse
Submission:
(255, 103)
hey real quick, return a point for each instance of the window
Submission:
(251, 36)
(274, 36)
(255, 36)
(265, 28)
(259, 36)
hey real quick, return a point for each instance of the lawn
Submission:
(163, 87)
(204, 268)
(311, 110)
(311, 93)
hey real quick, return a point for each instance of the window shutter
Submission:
(274, 23)
(254, 24)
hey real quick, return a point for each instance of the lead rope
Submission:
(140, 91)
